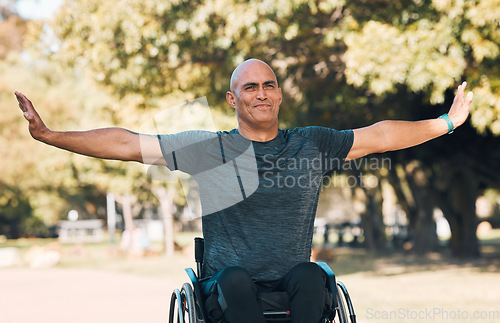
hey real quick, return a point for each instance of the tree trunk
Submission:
(126, 203)
(166, 197)
(458, 203)
(422, 224)
(418, 205)
(372, 219)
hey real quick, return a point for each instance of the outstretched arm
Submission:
(394, 135)
(106, 143)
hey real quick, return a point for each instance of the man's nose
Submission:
(261, 93)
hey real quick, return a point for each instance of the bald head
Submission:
(256, 98)
(245, 68)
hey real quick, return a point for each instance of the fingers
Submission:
(26, 106)
(21, 99)
(29, 116)
(468, 98)
(460, 92)
(24, 103)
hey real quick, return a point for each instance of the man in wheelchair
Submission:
(259, 187)
(262, 193)
(261, 197)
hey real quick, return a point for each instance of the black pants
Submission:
(236, 293)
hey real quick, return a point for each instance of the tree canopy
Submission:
(155, 48)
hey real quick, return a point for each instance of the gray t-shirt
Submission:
(259, 199)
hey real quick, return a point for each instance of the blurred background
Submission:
(404, 230)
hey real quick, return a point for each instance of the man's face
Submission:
(255, 95)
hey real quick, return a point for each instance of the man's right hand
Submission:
(36, 126)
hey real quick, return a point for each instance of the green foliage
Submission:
(425, 57)
(445, 42)
(16, 215)
(155, 48)
(54, 181)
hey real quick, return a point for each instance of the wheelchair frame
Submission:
(186, 304)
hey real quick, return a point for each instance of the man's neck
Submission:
(258, 134)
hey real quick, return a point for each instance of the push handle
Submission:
(198, 249)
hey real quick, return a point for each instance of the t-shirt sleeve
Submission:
(184, 151)
(333, 145)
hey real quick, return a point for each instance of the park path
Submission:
(58, 295)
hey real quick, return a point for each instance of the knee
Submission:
(308, 270)
(307, 276)
(234, 276)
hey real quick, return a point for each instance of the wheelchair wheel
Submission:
(182, 306)
(176, 312)
(345, 305)
(341, 310)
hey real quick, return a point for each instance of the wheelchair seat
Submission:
(188, 304)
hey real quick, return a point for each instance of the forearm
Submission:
(395, 135)
(107, 143)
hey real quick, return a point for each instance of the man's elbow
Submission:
(128, 149)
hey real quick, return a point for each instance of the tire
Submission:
(341, 310)
(188, 304)
(176, 309)
(347, 303)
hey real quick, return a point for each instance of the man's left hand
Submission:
(460, 108)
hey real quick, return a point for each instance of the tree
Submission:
(452, 40)
(12, 31)
(153, 48)
(16, 215)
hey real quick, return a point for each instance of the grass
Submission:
(103, 256)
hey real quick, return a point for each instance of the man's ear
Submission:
(231, 99)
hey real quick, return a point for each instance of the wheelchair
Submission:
(187, 304)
